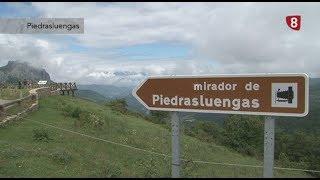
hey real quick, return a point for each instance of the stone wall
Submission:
(35, 95)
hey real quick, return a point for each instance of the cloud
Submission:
(256, 39)
(225, 38)
(24, 48)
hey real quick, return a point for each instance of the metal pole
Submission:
(268, 147)
(175, 126)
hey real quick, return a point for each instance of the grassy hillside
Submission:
(90, 95)
(28, 148)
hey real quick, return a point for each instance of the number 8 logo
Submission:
(294, 22)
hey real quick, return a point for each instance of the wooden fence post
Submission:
(2, 111)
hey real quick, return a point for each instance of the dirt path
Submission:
(2, 101)
(32, 91)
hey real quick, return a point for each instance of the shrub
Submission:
(41, 135)
(149, 166)
(244, 134)
(90, 119)
(96, 121)
(71, 111)
(159, 117)
(188, 166)
(111, 170)
(82, 117)
(119, 105)
(75, 113)
(61, 157)
(204, 131)
(67, 109)
(284, 160)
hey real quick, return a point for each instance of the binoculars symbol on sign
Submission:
(284, 96)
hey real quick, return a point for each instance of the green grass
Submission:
(9, 94)
(24, 153)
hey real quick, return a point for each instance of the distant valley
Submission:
(16, 71)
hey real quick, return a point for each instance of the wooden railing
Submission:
(31, 100)
(37, 91)
(17, 101)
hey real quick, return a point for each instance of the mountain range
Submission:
(16, 71)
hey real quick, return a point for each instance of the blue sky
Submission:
(142, 51)
(15, 10)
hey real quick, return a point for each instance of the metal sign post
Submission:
(268, 161)
(253, 94)
(175, 126)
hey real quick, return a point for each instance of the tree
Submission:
(159, 117)
(119, 105)
(12, 80)
(203, 130)
(244, 134)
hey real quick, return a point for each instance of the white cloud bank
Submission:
(225, 38)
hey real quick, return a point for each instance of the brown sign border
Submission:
(306, 77)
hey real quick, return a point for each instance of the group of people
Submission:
(67, 87)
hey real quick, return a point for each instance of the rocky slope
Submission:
(16, 71)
